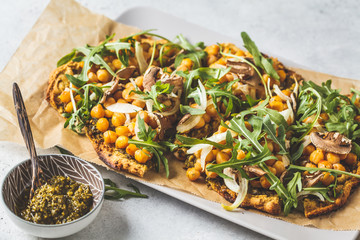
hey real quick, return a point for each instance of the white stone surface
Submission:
(321, 35)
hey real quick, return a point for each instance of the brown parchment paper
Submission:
(66, 24)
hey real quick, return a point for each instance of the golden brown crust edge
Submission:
(111, 157)
(314, 208)
(265, 203)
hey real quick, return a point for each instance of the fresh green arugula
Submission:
(147, 135)
(157, 89)
(114, 193)
(193, 52)
(259, 59)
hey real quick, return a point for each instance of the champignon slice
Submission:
(163, 123)
(175, 81)
(254, 169)
(331, 142)
(245, 72)
(123, 73)
(242, 69)
(126, 72)
(150, 77)
(312, 179)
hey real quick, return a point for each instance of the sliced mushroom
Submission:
(254, 169)
(124, 73)
(331, 142)
(164, 123)
(150, 77)
(245, 72)
(312, 179)
(242, 69)
(175, 81)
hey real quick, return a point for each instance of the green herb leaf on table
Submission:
(114, 193)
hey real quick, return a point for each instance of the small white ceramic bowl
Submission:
(77, 169)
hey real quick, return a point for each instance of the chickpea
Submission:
(324, 116)
(351, 159)
(282, 75)
(197, 165)
(264, 182)
(128, 95)
(130, 85)
(77, 98)
(192, 174)
(240, 53)
(65, 96)
(279, 166)
(138, 103)
(270, 146)
(118, 119)
(270, 162)
(142, 155)
(131, 149)
(197, 154)
(69, 107)
(222, 157)
(102, 124)
(92, 77)
(222, 129)
(339, 166)
(273, 170)
(110, 136)
(324, 164)
(286, 92)
(248, 126)
(327, 179)
(240, 154)
(310, 165)
(139, 81)
(131, 127)
(342, 156)
(211, 59)
(332, 158)
(316, 156)
(97, 111)
(187, 63)
(122, 131)
(210, 174)
(109, 101)
(116, 63)
(122, 142)
(103, 75)
(207, 118)
(118, 95)
(308, 150)
(108, 113)
(278, 106)
(210, 157)
(200, 124)
(212, 49)
(120, 100)
(211, 110)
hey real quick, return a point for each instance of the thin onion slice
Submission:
(123, 108)
(196, 148)
(215, 138)
(285, 160)
(306, 141)
(317, 194)
(231, 183)
(173, 110)
(203, 98)
(280, 93)
(139, 54)
(243, 188)
(204, 152)
(189, 124)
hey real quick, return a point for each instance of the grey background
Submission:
(320, 35)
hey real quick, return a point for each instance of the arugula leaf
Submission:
(322, 190)
(189, 142)
(195, 53)
(333, 171)
(146, 136)
(67, 58)
(157, 89)
(295, 183)
(114, 193)
(193, 111)
(259, 59)
(278, 136)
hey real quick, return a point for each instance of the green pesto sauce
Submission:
(59, 200)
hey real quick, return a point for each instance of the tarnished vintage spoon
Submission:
(28, 137)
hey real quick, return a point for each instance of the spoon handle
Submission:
(27, 135)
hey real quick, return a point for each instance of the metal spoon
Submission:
(28, 138)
